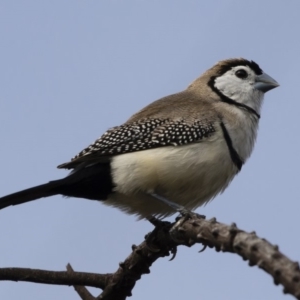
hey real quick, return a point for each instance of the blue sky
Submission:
(69, 70)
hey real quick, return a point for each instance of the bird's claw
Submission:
(174, 252)
(203, 248)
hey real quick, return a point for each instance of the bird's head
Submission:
(238, 81)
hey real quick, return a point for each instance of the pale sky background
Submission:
(71, 69)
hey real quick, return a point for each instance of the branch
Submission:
(249, 246)
(54, 277)
(162, 241)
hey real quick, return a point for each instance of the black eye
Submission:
(241, 74)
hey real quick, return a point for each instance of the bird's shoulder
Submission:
(169, 121)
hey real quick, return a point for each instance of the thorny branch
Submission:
(162, 241)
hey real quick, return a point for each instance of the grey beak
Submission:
(265, 83)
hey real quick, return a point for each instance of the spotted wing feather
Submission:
(143, 135)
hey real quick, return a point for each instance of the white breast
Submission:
(189, 175)
(242, 128)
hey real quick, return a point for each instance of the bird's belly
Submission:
(188, 175)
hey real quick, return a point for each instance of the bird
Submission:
(178, 152)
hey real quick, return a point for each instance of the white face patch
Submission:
(238, 85)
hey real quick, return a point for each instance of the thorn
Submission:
(296, 266)
(215, 233)
(191, 242)
(276, 247)
(260, 263)
(285, 291)
(233, 228)
(238, 248)
(253, 248)
(277, 272)
(276, 255)
(223, 248)
(146, 270)
(138, 251)
(276, 282)
(122, 265)
(212, 220)
(218, 249)
(203, 248)
(296, 278)
(138, 276)
(253, 232)
(128, 294)
(251, 263)
(133, 247)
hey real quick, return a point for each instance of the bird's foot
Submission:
(152, 238)
(187, 214)
(155, 221)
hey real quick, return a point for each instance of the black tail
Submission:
(44, 190)
(92, 182)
